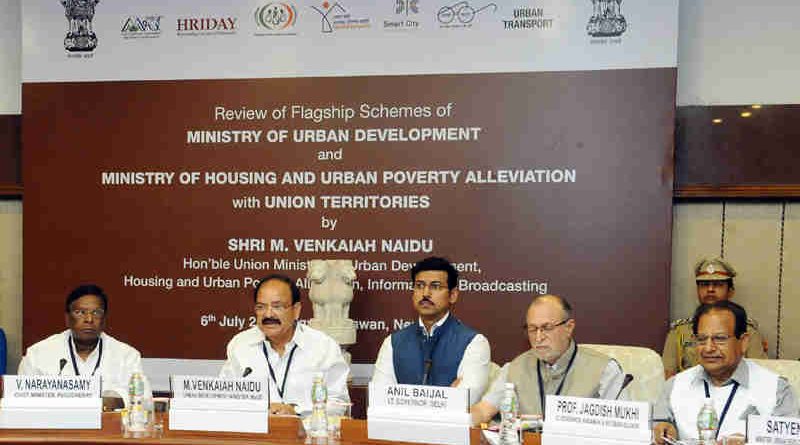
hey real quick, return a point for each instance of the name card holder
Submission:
(202, 403)
(773, 430)
(51, 402)
(571, 420)
(419, 414)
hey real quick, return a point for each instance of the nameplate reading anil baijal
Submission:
(439, 398)
(50, 386)
(769, 429)
(202, 387)
(598, 413)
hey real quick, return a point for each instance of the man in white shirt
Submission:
(438, 350)
(286, 353)
(84, 349)
(555, 364)
(736, 386)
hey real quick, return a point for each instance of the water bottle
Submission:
(707, 423)
(137, 413)
(319, 400)
(509, 428)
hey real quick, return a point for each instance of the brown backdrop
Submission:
(603, 242)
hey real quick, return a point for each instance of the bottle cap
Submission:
(510, 386)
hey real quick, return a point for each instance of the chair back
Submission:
(789, 369)
(643, 363)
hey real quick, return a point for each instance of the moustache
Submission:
(424, 299)
(270, 320)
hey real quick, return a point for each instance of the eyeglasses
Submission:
(712, 283)
(545, 328)
(717, 339)
(82, 313)
(434, 286)
(276, 307)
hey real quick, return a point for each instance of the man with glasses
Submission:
(286, 353)
(84, 349)
(554, 365)
(438, 350)
(714, 279)
(736, 387)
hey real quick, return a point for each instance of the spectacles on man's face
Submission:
(82, 313)
(276, 307)
(434, 286)
(716, 339)
(545, 328)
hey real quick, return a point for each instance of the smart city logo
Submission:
(405, 9)
(141, 27)
(277, 18)
(461, 14)
(607, 19)
(335, 17)
(80, 33)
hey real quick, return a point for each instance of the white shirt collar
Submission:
(435, 325)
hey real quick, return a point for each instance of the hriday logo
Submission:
(461, 14)
(332, 20)
(276, 17)
(405, 9)
(80, 35)
(530, 18)
(148, 26)
(607, 19)
(195, 26)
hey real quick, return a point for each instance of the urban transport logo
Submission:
(461, 14)
(277, 17)
(80, 33)
(607, 19)
(335, 17)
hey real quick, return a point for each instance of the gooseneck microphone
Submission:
(628, 379)
(247, 371)
(428, 364)
(61, 364)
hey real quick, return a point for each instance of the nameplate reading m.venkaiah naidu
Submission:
(203, 403)
(51, 402)
(200, 387)
(421, 414)
(769, 429)
(586, 418)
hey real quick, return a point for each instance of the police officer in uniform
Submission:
(714, 278)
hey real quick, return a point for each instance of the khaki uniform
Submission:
(680, 353)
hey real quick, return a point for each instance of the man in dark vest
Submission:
(554, 365)
(438, 350)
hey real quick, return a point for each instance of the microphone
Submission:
(428, 364)
(627, 381)
(247, 371)
(61, 364)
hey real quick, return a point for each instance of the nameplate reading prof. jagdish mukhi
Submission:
(51, 401)
(585, 418)
(213, 404)
(414, 413)
(769, 429)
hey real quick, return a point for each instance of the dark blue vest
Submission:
(444, 349)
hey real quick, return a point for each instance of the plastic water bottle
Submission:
(509, 427)
(137, 420)
(318, 426)
(707, 423)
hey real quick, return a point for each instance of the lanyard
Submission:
(727, 404)
(272, 372)
(75, 363)
(560, 385)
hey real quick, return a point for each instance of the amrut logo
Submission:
(276, 17)
(141, 27)
(80, 34)
(607, 19)
(335, 17)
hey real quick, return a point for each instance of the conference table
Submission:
(283, 431)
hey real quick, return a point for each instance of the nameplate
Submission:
(200, 387)
(769, 429)
(606, 419)
(50, 387)
(415, 397)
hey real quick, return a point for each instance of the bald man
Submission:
(554, 365)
